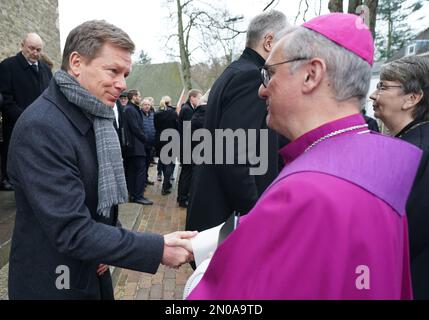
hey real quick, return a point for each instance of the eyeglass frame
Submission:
(264, 69)
(381, 87)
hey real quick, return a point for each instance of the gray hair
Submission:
(349, 74)
(413, 73)
(271, 21)
(88, 38)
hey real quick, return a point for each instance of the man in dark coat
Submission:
(135, 150)
(22, 79)
(119, 118)
(150, 134)
(62, 154)
(372, 123)
(219, 190)
(185, 116)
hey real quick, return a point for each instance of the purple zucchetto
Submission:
(348, 31)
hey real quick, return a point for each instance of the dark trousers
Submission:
(184, 183)
(136, 176)
(148, 151)
(159, 167)
(167, 171)
(4, 147)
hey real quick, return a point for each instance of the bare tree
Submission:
(201, 26)
(335, 5)
(354, 5)
(373, 10)
(269, 5)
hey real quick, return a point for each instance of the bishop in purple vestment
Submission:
(333, 224)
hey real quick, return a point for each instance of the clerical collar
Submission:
(297, 147)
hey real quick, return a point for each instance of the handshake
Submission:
(178, 248)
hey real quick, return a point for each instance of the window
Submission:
(411, 50)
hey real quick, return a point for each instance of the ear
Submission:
(75, 64)
(412, 100)
(315, 72)
(268, 42)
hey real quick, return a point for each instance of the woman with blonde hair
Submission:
(164, 103)
(165, 118)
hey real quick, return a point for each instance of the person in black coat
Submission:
(119, 109)
(22, 79)
(185, 116)
(1, 140)
(197, 122)
(135, 149)
(372, 123)
(401, 101)
(219, 190)
(166, 118)
(61, 242)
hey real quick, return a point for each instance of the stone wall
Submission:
(18, 17)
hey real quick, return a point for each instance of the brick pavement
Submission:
(163, 217)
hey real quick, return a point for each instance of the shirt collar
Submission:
(297, 147)
(252, 55)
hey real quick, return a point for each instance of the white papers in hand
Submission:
(205, 243)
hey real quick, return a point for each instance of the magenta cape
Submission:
(332, 210)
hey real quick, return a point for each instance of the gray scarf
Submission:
(112, 189)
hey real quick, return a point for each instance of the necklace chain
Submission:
(335, 133)
(413, 127)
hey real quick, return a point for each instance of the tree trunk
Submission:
(373, 6)
(371, 15)
(389, 34)
(184, 50)
(353, 4)
(335, 5)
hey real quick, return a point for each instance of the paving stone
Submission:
(143, 294)
(168, 295)
(156, 292)
(158, 278)
(169, 284)
(130, 289)
(145, 282)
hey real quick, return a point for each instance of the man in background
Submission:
(66, 166)
(22, 79)
(135, 150)
(219, 190)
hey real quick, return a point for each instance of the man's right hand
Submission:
(178, 248)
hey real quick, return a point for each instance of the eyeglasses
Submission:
(266, 73)
(382, 87)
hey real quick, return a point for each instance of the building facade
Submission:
(18, 17)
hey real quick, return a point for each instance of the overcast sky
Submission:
(146, 21)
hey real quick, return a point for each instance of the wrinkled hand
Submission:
(178, 248)
(102, 268)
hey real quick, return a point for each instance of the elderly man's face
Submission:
(32, 47)
(104, 76)
(146, 105)
(281, 90)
